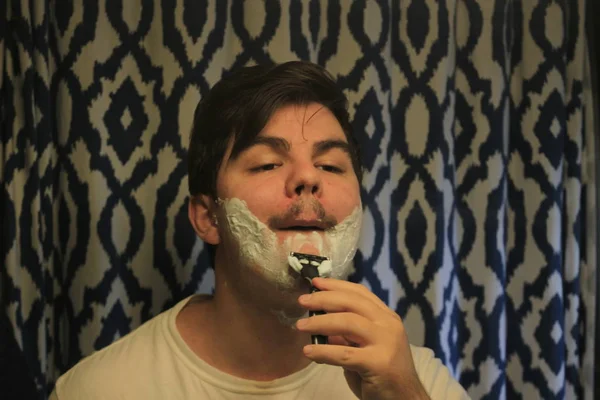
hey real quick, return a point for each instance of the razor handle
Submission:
(309, 270)
(317, 339)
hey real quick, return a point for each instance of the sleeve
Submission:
(53, 396)
(435, 377)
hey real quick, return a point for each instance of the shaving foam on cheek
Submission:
(257, 243)
(341, 243)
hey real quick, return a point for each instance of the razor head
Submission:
(310, 266)
(308, 258)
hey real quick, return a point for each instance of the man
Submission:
(273, 168)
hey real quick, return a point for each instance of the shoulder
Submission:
(435, 376)
(121, 364)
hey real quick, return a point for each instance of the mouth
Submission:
(303, 228)
(302, 225)
(302, 220)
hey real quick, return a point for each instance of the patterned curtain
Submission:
(476, 124)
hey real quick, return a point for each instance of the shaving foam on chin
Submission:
(260, 248)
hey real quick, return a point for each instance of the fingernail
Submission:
(301, 323)
(305, 298)
(308, 350)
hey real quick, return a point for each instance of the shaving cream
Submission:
(260, 248)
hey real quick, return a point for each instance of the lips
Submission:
(298, 219)
(303, 225)
(301, 228)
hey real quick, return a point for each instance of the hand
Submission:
(366, 338)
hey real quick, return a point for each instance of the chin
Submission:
(283, 299)
(282, 278)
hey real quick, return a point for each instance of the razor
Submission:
(310, 266)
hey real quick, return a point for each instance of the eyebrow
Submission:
(283, 146)
(324, 146)
(276, 143)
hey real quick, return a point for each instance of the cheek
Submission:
(342, 199)
(256, 191)
(264, 206)
(263, 200)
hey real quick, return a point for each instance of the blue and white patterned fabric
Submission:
(475, 120)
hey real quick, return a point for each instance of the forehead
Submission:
(293, 123)
(304, 121)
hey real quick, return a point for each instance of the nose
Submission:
(305, 179)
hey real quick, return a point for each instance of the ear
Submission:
(201, 212)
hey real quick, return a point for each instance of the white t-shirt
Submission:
(154, 362)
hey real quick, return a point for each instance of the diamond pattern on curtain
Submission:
(475, 120)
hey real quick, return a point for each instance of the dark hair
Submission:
(240, 105)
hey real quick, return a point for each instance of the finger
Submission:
(340, 301)
(351, 358)
(353, 327)
(339, 341)
(328, 284)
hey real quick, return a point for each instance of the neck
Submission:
(245, 338)
(256, 338)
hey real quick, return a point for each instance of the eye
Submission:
(265, 167)
(331, 168)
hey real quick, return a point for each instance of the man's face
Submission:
(297, 174)
(289, 191)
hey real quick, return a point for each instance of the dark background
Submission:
(593, 29)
